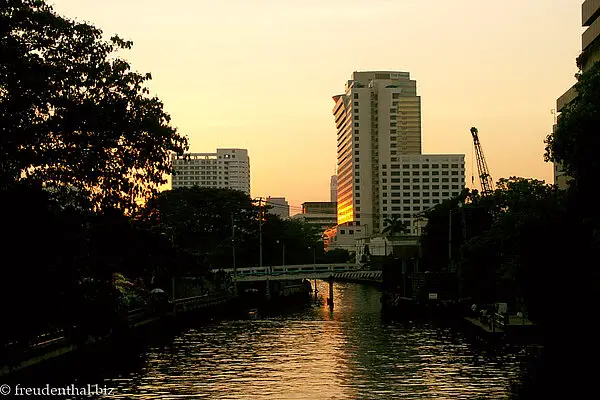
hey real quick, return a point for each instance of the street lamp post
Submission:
(260, 220)
(314, 254)
(233, 256)
(450, 265)
(233, 244)
(283, 254)
(172, 276)
(464, 238)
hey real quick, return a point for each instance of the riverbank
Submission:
(139, 324)
(513, 329)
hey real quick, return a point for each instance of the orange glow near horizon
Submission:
(260, 75)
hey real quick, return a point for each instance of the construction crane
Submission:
(487, 183)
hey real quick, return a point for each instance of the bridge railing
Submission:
(206, 299)
(293, 269)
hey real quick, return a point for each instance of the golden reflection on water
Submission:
(317, 354)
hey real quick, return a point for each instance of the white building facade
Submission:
(381, 171)
(419, 182)
(279, 206)
(227, 169)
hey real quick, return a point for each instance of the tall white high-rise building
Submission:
(381, 172)
(227, 168)
(378, 118)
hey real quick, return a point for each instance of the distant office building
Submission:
(279, 206)
(319, 207)
(227, 168)
(561, 180)
(590, 55)
(333, 189)
(320, 214)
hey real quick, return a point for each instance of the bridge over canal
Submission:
(302, 271)
(330, 272)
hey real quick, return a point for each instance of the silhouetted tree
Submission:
(394, 226)
(501, 242)
(575, 145)
(199, 221)
(73, 114)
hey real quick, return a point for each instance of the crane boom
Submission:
(485, 178)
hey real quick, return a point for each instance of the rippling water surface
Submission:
(315, 354)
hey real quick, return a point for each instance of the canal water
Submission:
(311, 353)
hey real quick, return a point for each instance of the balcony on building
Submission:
(590, 35)
(590, 10)
(566, 98)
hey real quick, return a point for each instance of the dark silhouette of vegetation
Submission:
(199, 221)
(500, 243)
(79, 271)
(394, 226)
(82, 142)
(74, 116)
(336, 256)
(575, 145)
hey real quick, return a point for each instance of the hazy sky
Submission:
(259, 74)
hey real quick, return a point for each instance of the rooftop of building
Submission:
(208, 156)
(421, 156)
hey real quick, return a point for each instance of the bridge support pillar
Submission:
(268, 289)
(173, 295)
(404, 278)
(330, 300)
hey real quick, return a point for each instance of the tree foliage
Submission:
(72, 112)
(298, 237)
(501, 242)
(81, 141)
(199, 221)
(394, 226)
(575, 144)
(574, 254)
(202, 222)
(576, 141)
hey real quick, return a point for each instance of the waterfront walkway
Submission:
(499, 326)
(476, 322)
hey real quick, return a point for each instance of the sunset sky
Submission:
(259, 74)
